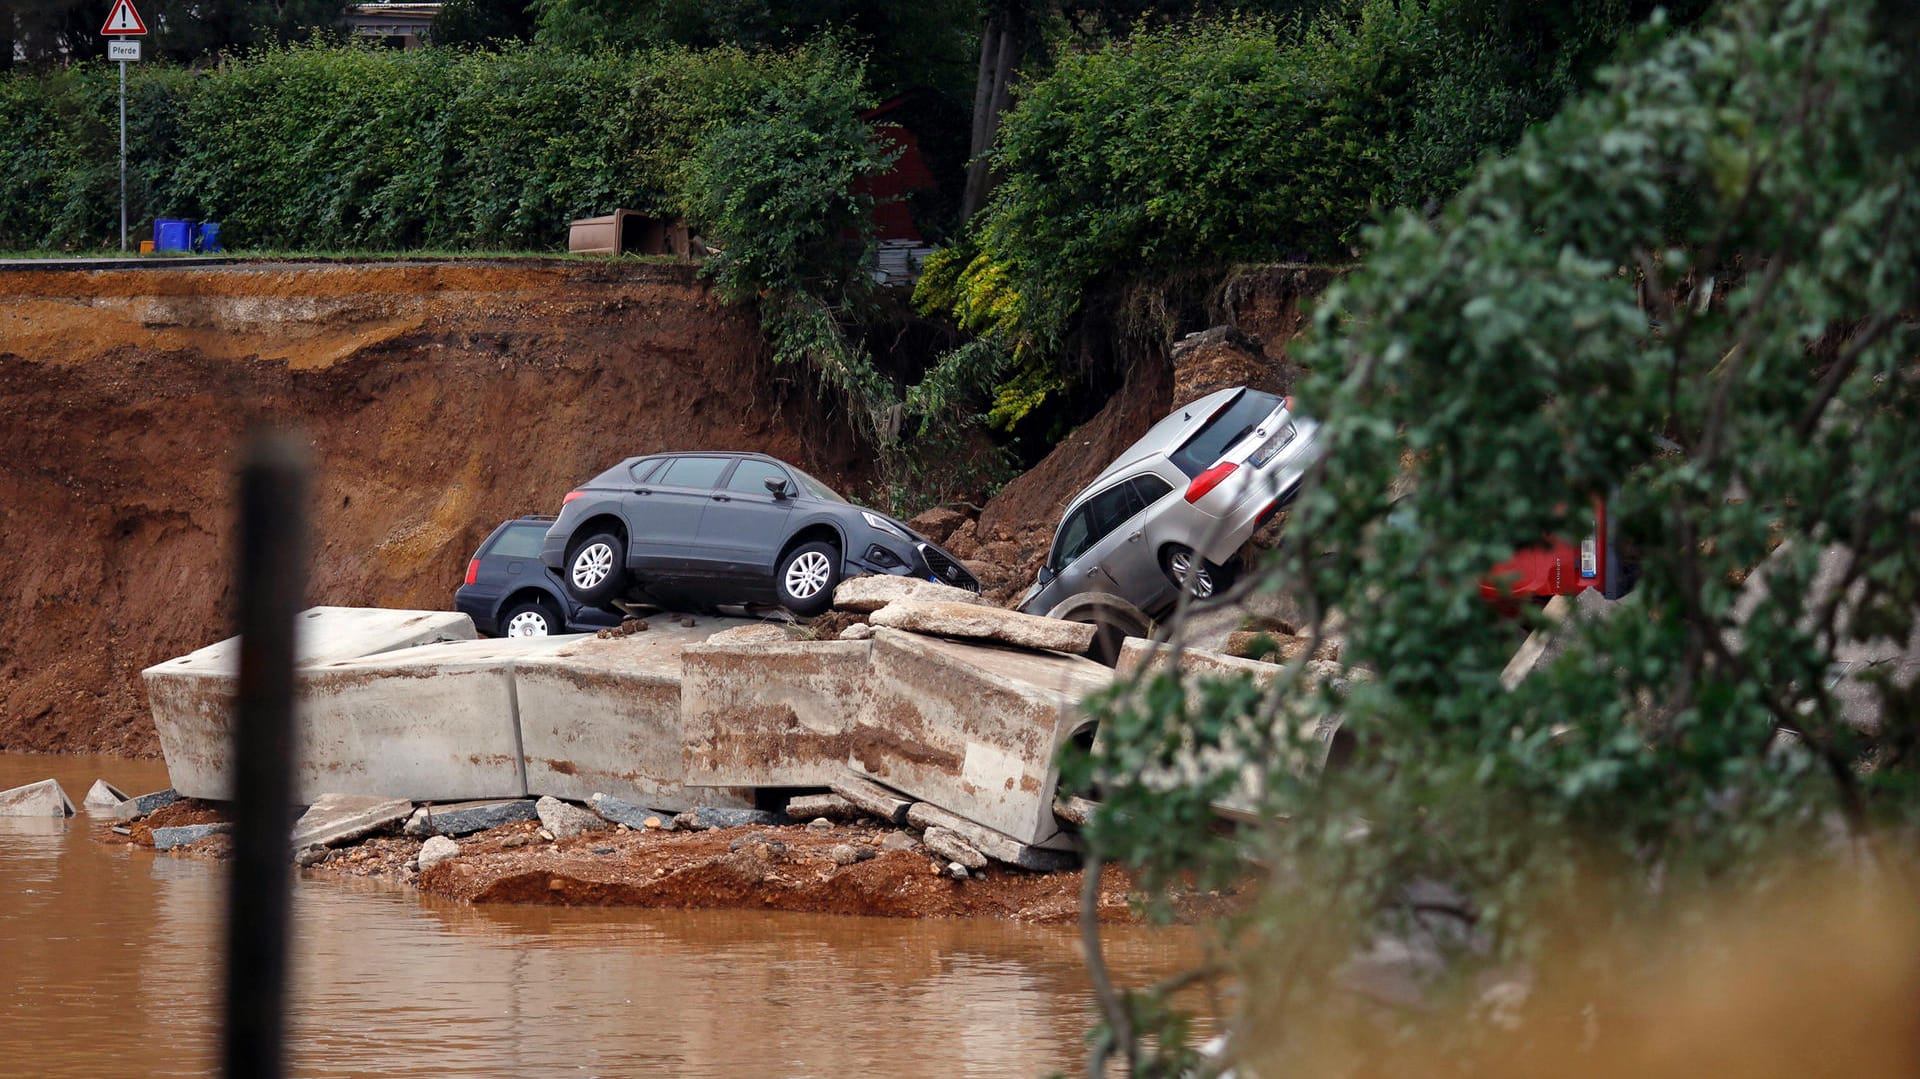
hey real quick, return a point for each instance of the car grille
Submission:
(947, 569)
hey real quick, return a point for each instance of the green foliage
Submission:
(1691, 291)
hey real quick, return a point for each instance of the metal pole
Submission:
(272, 582)
(123, 157)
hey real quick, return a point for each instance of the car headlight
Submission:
(882, 524)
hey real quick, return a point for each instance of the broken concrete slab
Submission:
(631, 814)
(192, 696)
(770, 715)
(953, 847)
(706, 817)
(103, 795)
(605, 716)
(973, 729)
(435, 850)
(341, 818)
(186, 835)
(809, 807)
(564, 819)
(871, 798)
(465, 818)
(754, 633)
(995, 845)
(872, 591)
(986, 624)
(42, 799)
(140, 806)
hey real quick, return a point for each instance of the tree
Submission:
(1691, 290)
(481, 22)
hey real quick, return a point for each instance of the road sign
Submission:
(123, 50)
(123, 20)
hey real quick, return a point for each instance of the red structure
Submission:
(908, 174)
(1557, 568)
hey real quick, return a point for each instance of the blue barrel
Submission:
(171, 234)
(209, 237)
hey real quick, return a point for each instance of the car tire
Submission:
(596, 571)
(530, 618)
(1178, 561)
(806, 576)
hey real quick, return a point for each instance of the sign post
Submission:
(122, 23)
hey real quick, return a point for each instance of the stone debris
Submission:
(465, 818)
(435, 850)
(957, 871)
(848, 854)
(765, 633)
(899, 841)
(186, 835)
(819, 824)
(872, 798)
(140, 806)
(996, 845)
(977, 622)
(707, 817)
(565, 820)
(870, 592)
(859, 631)
(631, 814)
(341, 818)
(1075, 811)
(310, 856)
(42, 799)
(949, 845)
(103, 795)
(760, 845)
(831, 806)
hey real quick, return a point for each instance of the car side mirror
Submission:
(1047, 575)
(776, 487)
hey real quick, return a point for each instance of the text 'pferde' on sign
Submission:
(123, 20)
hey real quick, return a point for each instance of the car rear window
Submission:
(1232, 423)
(519, 541)
(694, 471)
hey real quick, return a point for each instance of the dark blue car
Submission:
(508, 593)
(727, 528)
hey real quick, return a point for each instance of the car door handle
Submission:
(641, 491)
(722, 498)
(1135, 538)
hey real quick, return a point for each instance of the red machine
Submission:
(1562, 569)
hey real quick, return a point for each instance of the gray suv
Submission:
(727, 528)
(1179, 503)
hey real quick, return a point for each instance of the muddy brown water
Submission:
(110, 965)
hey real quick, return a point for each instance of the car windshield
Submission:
(1233, 422)
(816, 488)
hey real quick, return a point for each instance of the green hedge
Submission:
(330, 147)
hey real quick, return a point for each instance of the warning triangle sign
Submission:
(123, 19)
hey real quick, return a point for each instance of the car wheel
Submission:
(530, 618)
(1180, 564)
(597, 570)
(806, 578)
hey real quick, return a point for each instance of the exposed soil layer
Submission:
(439, 399)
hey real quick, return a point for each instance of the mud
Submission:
(438, 398)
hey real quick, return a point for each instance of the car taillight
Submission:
(1288, 401)
(473, 571)
(571, 495)
(1208, 480)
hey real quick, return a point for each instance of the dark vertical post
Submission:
(272, 586)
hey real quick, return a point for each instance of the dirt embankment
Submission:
(440, 398)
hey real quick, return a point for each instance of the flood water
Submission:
(110, 964)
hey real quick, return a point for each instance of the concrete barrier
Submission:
(604, 716)
(771, 715)
(973, 729)
(192, 696)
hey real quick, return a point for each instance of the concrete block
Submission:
(973, 729)
(986, 624)
(192, 696)
(871, 797)
(342, 818)
(870, 592)
(810, 807)
(771, 715)
(951, 846)
(995, 845)
(564, 819)
(42, 799)
(631, 814)
(186, 835)
(135, 808)
(103, 795)
(465, 818)
(605, 715)
(704, 817)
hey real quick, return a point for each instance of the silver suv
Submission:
(1178, 503)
